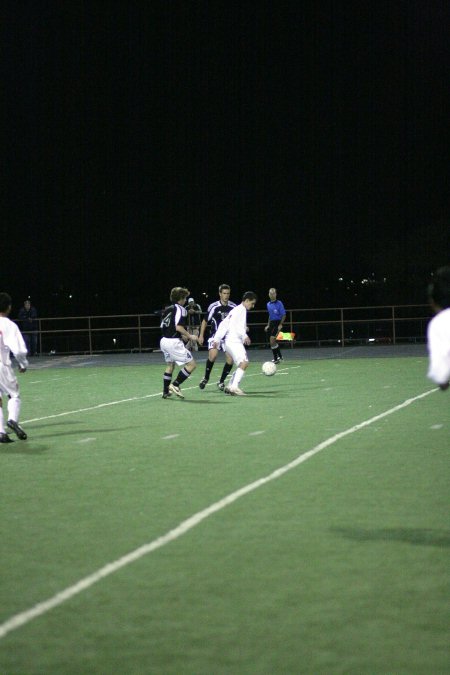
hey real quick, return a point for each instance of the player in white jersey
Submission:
(233, 330)
(11, 340)
(439, 329)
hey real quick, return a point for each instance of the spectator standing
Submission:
(277, 316)
(29, 326)
(194, 319)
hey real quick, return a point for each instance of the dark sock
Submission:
(166, 381)
(274, 352)
(278, 353)
(226, 369)
(181, 377)
(208, 369)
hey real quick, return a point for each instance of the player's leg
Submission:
(212, 356)
(4, 438)
(10, 385)
(185, 359)
(240, 358)
(225, 371)
(274, 346)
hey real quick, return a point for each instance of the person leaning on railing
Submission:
(438, 333)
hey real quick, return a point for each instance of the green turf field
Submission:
(338, 565)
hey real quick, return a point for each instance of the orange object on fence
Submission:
(285, 337)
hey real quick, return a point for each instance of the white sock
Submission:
(237, 377)
(14, 404)
(2, 423)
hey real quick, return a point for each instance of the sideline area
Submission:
(256, 355)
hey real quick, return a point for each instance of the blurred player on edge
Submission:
(11, 340)
(438, 332)
(173, 333)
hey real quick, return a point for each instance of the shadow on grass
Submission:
(409, 535)
(81, 432)
(22, 448)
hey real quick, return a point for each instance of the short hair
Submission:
(249, 295)
(5, 302)
(178, 293)
(224, 287)
(439, 289)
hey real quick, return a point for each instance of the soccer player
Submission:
(277, 316)
(11, 340)
(217, 312)
(233, 331)
(438, 332)
(173, 321)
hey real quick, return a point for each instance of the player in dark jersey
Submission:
(217, 311)
(173, 321)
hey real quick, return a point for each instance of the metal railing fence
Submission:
(329, 326)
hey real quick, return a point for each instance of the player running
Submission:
(233, 331)
(173, 333)
(216, 313)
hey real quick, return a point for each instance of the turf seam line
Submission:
(41, 608)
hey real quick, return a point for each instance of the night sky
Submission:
(150, 144)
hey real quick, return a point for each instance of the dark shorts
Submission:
(273, 328)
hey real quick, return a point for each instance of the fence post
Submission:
(139, 333)
(342, 327)
(393, 324)
(90, 335)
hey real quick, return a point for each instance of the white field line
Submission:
(43, 607)
(110, 403)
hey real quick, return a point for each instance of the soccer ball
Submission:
(269, 368)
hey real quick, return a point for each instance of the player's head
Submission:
(5, 303)
(273, 294)
(249, 299)
(439, 289)
(224, 293)
(178, 294)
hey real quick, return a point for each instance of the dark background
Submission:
(151, 144)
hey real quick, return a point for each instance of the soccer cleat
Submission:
(174, 389)
(4, 438)
(221, 386)
(202, 384)
(234, 391)
(17, 429)
(166, 394)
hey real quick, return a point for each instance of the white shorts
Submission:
(175, 350)
(220, 348)
(8, 381)
(237, 351)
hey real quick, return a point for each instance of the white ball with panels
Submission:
(269, 368)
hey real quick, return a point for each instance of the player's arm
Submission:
(203, 326)
(184, 333)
